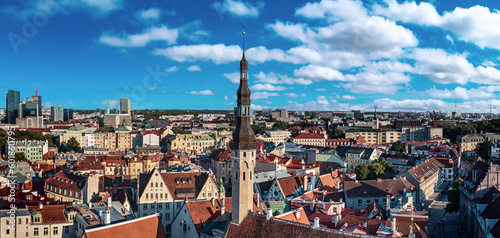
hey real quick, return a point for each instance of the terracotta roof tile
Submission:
(144, 227)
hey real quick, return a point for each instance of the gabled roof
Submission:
(255, 225)
(67, 180)
(377, 188)
(425, 170)
(51, 213)
(298, 215)
(221, 155)
(146, 227)
(309, 136)
(202, 212)
(181, 185)
(291, 185)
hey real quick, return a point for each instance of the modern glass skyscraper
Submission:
(12, 106)
(56, 113)
(68, 114)
(124, 106)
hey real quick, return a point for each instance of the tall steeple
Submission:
(243, 149)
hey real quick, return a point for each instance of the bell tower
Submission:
(243, 148)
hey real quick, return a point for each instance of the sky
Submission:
(318, 55)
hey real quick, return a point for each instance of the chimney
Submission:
(316, 223)
(109, 201)
(338, 185)
(37, 93)
(336, 219)
(90, 204)
(297, 213)
(100, 216)
(341, 200)
(258, 201)
(305, 183)
(108, 217)
(311, 206)
(393, 225)
(40, 206)
(223, 207)
(213, 202)
(269, 214)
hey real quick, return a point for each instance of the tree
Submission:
(379, 168)
(483, 149)
(106, 129)
(280, 125)
(20, 156)
(73, 143)
(335, 134)
(454, 197)
(120, 171)
(397, 146)
(258, 130)
(50, 139)
(116, 171)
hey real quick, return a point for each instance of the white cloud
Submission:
(104, 5)
(219, 53)
(333, 10)
(171, 69)
(476, 24)
(229, 103)
(238, 8)
(348, 97)
(386, 104)
(375, 82)
(161, 33)
(303, 95)
(442, 67)
(318, 73)
(290, 95)
(108, 103)
(233, 77)
(204, 92)
(262, 95)
(463, 93)
(226, 97)
(267, 87)
(274, 78)
(149, 14)
(489, 63)
(487, 75)
(194, 68)
(448, 37)
(320, 89)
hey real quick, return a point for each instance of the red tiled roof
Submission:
(360, 139)
(203, 211)
(51, 213)
(426, 169)
(67, 181)
(221, 155)
(309, 136)
(291, 216)
(144, 227)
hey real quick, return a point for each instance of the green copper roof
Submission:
(77, 128)
(221, 186)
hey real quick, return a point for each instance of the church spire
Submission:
(243, 135)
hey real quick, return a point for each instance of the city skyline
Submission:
(319, 55)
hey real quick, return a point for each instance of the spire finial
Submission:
(243, 26)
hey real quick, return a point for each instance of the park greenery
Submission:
(335, 134)
(397, 146)
(71, 145)
(454, 197)
(463, 128)
(378, 168)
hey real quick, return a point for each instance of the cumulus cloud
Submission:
(320, 89)
(262, 95)
(219, 53)
(204, 92)
(291, 95)
(233, 77)
(267, 87)
(194, 68)
(274, 78)
(348, 97)
(238, 8)
(442, 67)
(171, 69)
(375, 82)
(109, 103)
(161, 33)
(318, 73)
(476, 24)
(463, 93)
(152, 14)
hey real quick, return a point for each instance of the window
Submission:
(66, 229)
(166, 195)
(243, 176)
(19, 221)
(35, 231)
(152, 205)
(27, 220)
(161, 184)
(146, 196)
(45, 231)
(37, 219)
(161, 195)
(151, 184)
(156, 196)
(7, 231)
(179, 204)
(145, 206)
(368, 201)
(56, 230)
(167, 216)
(160, 205)
(167, 206)
(360, 202)
(157, 184)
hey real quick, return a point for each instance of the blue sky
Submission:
(317, 55)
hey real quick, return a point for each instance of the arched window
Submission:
(161, 185)
(243, 176)
(244, 154)
(250, 175)
(151, 184)
(156, 184)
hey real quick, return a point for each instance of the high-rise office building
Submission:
(31, 107)
(68, 114)
(12, 106)
(124, 106)
(56, 113)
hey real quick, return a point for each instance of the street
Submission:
(442, 224)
